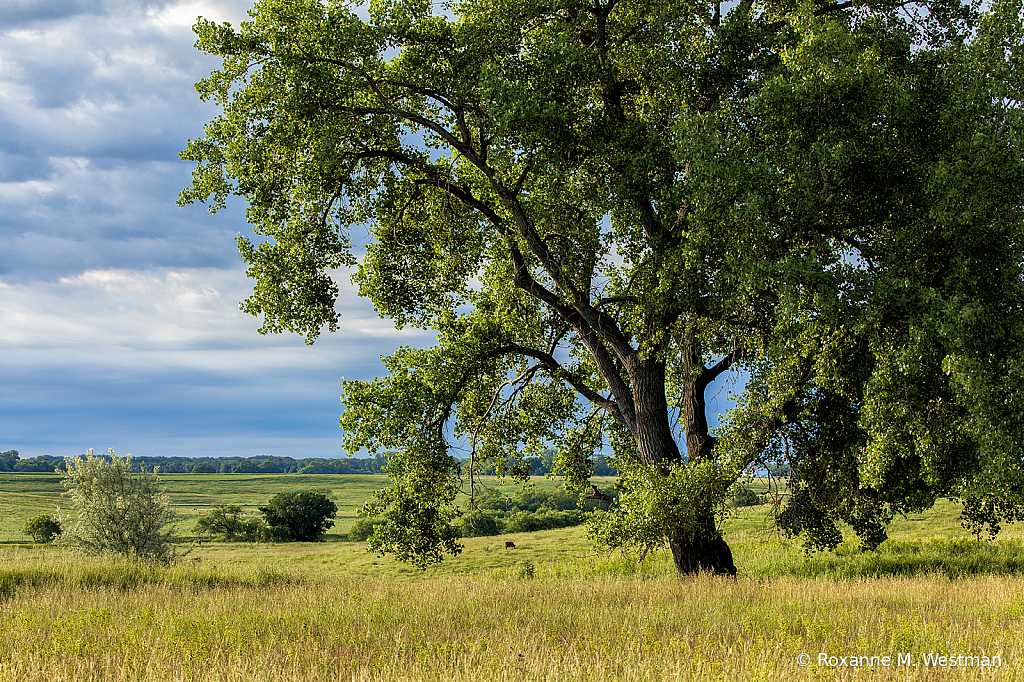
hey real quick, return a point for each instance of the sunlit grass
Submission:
(23, 495)
(561, 621)
(552, 608)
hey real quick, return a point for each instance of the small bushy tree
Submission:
(227, 522)
(118, 511)
(43, 528)
(362, 529)
(299, 517)
(478, 523)
(745, 497)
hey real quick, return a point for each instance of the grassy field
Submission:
(74, 619)
(24, 495)
(550, 609)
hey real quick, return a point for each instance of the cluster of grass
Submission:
(55, 569)
(955, 558)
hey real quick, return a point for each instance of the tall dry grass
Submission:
(69, 619)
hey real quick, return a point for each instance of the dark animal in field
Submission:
(510, 545)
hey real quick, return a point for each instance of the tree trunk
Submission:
(702, 552)
(693, 551)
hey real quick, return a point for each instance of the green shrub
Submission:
(118, 511)
(226, 522)
(363, 528)
(528, 522)
(299, 517)
(43, 528)
(745, 497)
(479, 524)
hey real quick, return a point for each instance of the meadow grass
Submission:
(24, 495)
(551, 609)
(561, 621)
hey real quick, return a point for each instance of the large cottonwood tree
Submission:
(603, 206)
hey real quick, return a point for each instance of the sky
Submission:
(119, 320)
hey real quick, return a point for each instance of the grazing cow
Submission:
(509, 544)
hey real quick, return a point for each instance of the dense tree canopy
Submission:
(42, 527)
(603, 206)
(299, 517)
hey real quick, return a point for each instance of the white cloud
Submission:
(96, 100)
(179, 15)
(184, 318)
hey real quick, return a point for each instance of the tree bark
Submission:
(654, 439)
(702, 552)
(693, 551)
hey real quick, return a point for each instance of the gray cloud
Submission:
(119, 321)
(21, 12)
(94, 108)
(156, 361)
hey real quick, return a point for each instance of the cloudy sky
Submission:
(119, 321)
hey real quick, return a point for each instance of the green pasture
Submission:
(25, 495)
(759, 549)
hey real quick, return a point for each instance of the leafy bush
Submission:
(479, 524)
(745, 497)
(226, 522)
(528, 522)
(299, 517)
(525, 511)
(118, 511)
(363, 528)
(528, 499)
(43, 528)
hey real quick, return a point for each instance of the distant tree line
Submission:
(259, 464)
(127, 513)
(269, 464)
(545, 464)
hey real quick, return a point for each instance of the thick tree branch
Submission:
(557, 371)
(709, 374)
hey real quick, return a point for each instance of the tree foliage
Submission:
(118, 511)
(299, 517)
(43, 528)
(227, 522)
(8, 460)
(603, 207)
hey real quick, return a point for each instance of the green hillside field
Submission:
(23, 495)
